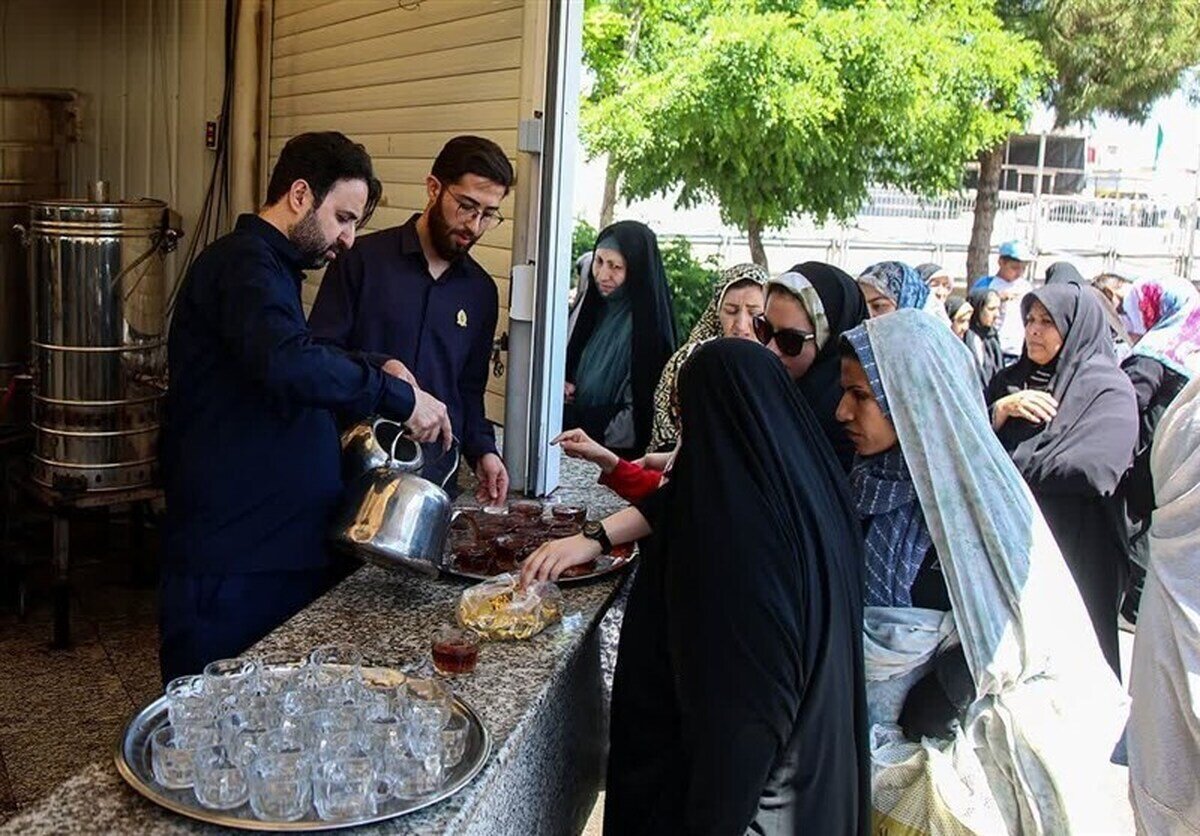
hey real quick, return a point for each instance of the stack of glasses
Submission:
(288, 735)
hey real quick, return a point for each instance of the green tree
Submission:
(774, 109)
(1116, 57)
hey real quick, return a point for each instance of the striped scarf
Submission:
(885, 496)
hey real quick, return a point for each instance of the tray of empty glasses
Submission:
(324, 742)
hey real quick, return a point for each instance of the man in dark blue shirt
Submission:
(414, 293)
(250, 454)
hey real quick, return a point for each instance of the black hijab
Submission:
(1063, 272)
(653, 319)
(1088, 445)
(954, 305)
(756, 706)
(821, 385)
(989, 356)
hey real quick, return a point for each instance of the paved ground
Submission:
(62, 709)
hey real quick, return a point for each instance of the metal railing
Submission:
(1098, 234)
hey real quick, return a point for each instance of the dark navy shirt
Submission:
(380, 298)
(250, 454)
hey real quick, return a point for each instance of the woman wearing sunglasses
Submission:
(808, 309)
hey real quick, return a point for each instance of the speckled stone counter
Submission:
(541, 700)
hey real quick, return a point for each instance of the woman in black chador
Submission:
(738, 702)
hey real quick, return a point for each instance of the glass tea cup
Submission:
(220, 783)
(455, 651)
(428, 700)
(281, 671)
(172, 756)
(342, 661)
(280, 786)
(226, 679)
(454, 740)
(189, 703)
(344, 788)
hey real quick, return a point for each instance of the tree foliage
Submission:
(1110, 56)
(774, 109)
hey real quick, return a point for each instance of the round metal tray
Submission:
(133, 762)
(605, 565)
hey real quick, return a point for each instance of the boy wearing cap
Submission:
(1010, 282)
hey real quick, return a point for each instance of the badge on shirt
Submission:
(462, 318)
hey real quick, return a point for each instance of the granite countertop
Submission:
(390, 616)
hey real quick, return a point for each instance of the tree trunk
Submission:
(609, 202)
(754, 232)
(990, 163)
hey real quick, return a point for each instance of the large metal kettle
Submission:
(392, 516)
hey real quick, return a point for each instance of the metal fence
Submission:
(1097, 234)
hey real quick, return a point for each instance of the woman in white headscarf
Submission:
(1164, 724)
(1027, 750)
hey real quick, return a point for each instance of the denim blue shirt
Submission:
(250, 453)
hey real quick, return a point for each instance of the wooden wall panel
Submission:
(402, 79)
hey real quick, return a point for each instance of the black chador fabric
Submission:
(739, 704)
(1090, 441)
(1063, 272)
(1074, 464)
(983, 341)
(654, 339)
(821, 385)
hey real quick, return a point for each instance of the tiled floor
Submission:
(63, 709)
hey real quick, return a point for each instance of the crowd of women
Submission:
(881, 562)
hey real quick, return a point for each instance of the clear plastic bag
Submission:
(499, 608)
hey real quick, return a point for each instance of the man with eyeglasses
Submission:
(414, 293)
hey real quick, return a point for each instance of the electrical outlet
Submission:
(210, 135)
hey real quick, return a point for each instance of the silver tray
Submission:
(605, 565)
(133, 763)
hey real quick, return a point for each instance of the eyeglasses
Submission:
(469, 212)
(790, 340)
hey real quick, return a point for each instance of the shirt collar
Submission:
(410, 245)
(276, 240)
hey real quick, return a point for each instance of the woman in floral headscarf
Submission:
(737, 299)
(1164, 319)
(890, 286)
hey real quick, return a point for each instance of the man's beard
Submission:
(442, 237)
(306, 236)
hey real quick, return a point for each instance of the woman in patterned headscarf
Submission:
(892, 285)
(737, 299)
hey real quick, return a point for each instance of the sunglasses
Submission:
(790, 340)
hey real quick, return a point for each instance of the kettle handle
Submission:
(455, 445)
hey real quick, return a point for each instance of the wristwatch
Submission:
(594, 530)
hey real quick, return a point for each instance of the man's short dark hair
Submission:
(473, 155)
(321, 159)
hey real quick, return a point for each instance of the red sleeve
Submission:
(630, 482)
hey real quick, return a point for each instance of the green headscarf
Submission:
(604, 365)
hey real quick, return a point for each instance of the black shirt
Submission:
(380, 298)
